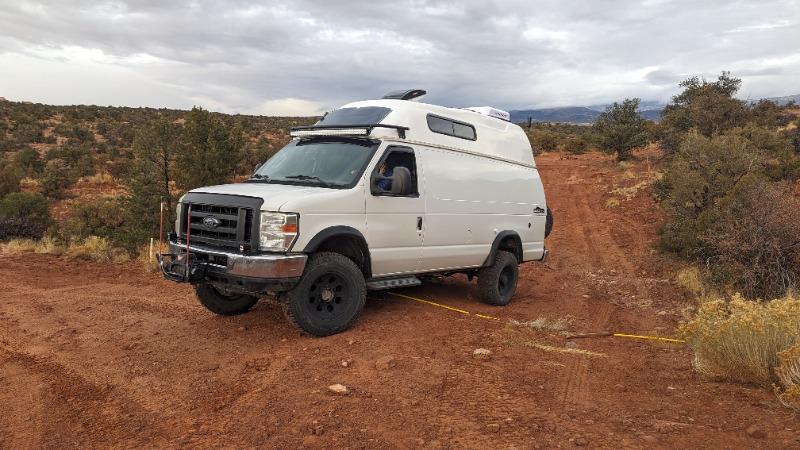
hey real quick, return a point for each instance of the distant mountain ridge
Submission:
(650, 110)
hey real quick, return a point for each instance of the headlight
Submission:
(278, 231)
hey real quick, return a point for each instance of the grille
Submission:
(235, 224)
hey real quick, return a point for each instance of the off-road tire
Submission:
(329, 297)
(548, 222)
(498, 282)
(225, 305)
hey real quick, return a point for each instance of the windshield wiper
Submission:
(304, 177)
(259, 178)
(319, 180)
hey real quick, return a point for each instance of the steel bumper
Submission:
(264, 267)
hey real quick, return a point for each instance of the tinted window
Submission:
(318, 162)
(355, 116)
(463, 131)
(451, 127)
(439, 125)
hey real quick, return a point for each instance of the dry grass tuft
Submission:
(544, 324)
(740, 340)
(567, 350)
(691, 279)
(98, 249)
(624, 165)
(788, 373)
(15, 246)
(628, 192)
(519, 334)
(147, 260)
(98, 179)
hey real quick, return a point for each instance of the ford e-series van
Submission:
(377, 195)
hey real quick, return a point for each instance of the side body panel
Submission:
(470, 199)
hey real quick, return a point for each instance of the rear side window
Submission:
(355, 116)
(451, 127)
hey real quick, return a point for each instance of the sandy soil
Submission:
(94, 355)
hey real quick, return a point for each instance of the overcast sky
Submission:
(304, 57)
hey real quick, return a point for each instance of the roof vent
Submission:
(409, 94)
(491, 112)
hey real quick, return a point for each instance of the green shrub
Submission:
(709, 108)
(25, 204)
(77, 158)
(26, 133)
(10, 176)
(56, 178)
(29, 161)
(753, 241)
(702, 172)
(99, 217)
(545, 140)
(209, 150)
(23, 215)
(574, 144)
(21, 228)
(619, 129)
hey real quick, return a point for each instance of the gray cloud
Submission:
(304, 56)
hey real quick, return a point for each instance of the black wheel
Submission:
(498, 282)
(548, 222)
(329, 297)
(219, 303)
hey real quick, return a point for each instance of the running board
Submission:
(390, 283)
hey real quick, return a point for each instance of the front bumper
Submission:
(256, 272)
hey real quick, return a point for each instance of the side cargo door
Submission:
(395, 222)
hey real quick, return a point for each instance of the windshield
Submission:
(326, 162)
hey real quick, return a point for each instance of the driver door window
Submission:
(393, 158)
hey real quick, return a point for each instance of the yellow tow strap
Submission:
(484, 316)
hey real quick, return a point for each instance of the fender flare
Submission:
(342, 231)
(501, 236)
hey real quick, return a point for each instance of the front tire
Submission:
(224, 305)
(498, 282)
(329, 297)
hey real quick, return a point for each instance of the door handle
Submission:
(419, 223)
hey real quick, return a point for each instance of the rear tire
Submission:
(224, 305)
(329, 297)
(498, 282)
(548, 222)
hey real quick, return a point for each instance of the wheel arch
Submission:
(347, 241)
(505, 240)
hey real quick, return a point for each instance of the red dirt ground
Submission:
(93, 355)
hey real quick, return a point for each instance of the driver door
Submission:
(395, 222)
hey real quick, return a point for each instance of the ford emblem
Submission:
(211, 222)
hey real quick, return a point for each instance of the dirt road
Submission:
(93, 355)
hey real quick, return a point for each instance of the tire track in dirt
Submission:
(573, 386)
(70, 403)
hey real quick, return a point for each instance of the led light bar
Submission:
(331, 132)
(360, 129)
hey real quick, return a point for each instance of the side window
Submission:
(463, 131)
(451, 127)
(393, 158)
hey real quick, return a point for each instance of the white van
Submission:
(377, 195)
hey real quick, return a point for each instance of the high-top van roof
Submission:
(456, 129)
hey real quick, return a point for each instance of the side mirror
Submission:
(258, 166)
(401, 181)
